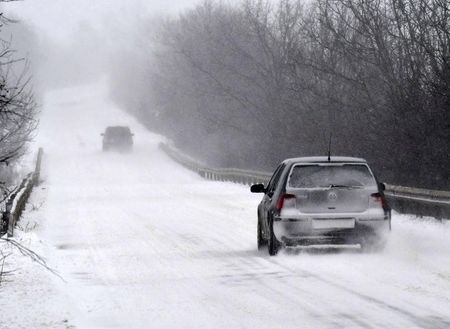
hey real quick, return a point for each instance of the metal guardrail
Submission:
(234, 175)
(409, 200)
(421, 202)
(431, 196)
(17, 201)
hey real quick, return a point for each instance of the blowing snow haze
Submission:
(156, 116)
(74, 39)
(239, 76)
(60, 19)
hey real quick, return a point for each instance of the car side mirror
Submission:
(258, 188)
(382, 187)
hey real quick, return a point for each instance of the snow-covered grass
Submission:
(29, 297)
(144, 243)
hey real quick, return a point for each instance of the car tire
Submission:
(261, 241)
(274, 244)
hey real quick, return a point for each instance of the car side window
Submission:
(275, 178)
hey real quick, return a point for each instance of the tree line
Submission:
(18, 108)
(248, 85)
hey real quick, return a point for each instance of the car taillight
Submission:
(286, 201)
(379, 199)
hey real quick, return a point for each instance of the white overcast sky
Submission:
(75, 40)
(60, 18)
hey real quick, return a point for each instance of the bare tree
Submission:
(261, 81)
(7, 246)
(18, 108)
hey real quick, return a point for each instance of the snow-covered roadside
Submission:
(29, 295)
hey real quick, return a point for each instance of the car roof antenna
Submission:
(329, 148)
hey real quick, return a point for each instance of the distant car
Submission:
(316, 200)
(117, 138)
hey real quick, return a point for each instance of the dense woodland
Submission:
(248, 85)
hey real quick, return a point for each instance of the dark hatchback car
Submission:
(117, 138)
(316, 200)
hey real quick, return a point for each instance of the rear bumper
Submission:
(117, 146)
(347, 228)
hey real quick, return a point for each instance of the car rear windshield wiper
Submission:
(343, 186)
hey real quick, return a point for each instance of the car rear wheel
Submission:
(274, 244)
(260, 237)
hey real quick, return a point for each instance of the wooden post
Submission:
(37, 170)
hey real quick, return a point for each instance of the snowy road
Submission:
(144, 243)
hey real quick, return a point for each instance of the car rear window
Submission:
(118, 131)
(320, 175)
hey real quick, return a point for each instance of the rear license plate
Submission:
(333, 223)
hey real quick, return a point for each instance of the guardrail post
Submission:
(37, 170)
(9, 220)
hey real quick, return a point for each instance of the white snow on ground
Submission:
(143, 243)
(29, 297)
